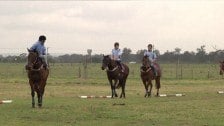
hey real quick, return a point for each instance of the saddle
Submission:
(121, 67)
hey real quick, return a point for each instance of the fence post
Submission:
(85, 67)
(208, 74)
(79, 74)
(176, 70)
(181, 71)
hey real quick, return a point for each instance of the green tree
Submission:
(126, 54)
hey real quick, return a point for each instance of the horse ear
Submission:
(28, 50)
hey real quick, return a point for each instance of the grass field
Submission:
(201, 106)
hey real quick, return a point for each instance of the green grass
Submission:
(201, 106)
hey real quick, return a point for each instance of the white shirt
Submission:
(151, 55)
(116, 54)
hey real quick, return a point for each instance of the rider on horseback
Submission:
(152, 58)
(116, 55)
(41, 50)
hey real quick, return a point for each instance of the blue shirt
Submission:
(116, 54)
(151, 55)
(39, 47)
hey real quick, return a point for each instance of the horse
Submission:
(221, 67)
(37, 76)
(147, 75)
(116, 77)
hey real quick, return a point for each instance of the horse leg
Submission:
(38, 90)
(40, 98)
(112, 91)
(42, 93)
(157, 85)
(221, 72)
(33, 100)
(123, 89)
(40, 101)
(150, 90)
(146, 87)
(114, 87)
(32, 93)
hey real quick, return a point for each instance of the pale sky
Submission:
(75, 26)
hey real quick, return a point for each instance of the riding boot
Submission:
(45, 66)
(120, 65)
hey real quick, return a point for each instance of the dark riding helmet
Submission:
(149, 45)
(42, 38)
(116, 44)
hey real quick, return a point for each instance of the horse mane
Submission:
(145, 57)
(32, 51)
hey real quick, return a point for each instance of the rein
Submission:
(146, 70)
(115, 68)
(37, 69)
(33, 63)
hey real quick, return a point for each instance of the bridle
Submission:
(107, 68)
(35, 62)
(147, 70)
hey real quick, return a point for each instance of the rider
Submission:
(41, 50)
(116, 55)
(152, 57)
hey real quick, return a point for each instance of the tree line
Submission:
(200, 56)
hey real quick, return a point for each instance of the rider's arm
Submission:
(119, 54)
(34, 46)
(42, 52)
(112, 54)
(145, 53)
(154, 57)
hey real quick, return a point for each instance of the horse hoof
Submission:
(157, 95)
(39, 105)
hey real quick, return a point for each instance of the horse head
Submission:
(106, 61)
(221, 67)
(32, 58)
(146, 62)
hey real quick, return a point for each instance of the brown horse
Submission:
(147, 75)
(116, 77)
(37, 75)
(221, 67)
